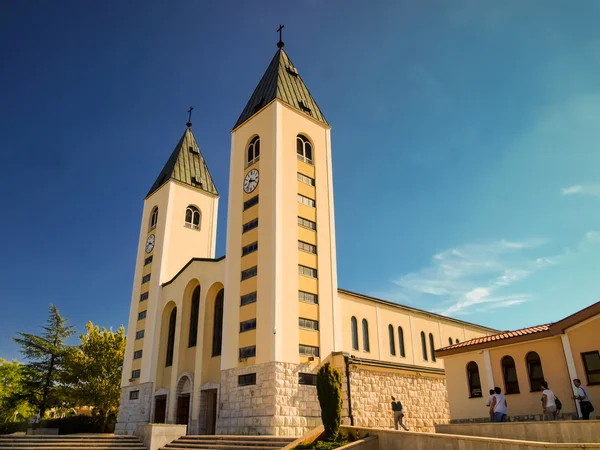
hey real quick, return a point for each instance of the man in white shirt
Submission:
(585, 405)
(499, 406)
(548, 402)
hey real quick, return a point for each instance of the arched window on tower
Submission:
(392, 340)
(509, 371)
(424, 345)
(153, 218)
(354, 328)
(474, 380)
(401, 341)
(449, 341)
(192, 218)
(218, 324)
(365, 330)
(457, 341)
(195, 311)
(534, 369)
(171, 338)
(253, 153)
(304, 149)
(431, 347)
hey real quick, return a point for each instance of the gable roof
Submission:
(186, 164)
(281, 81)
(522, 335)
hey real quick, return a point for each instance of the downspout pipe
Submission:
(347, 361)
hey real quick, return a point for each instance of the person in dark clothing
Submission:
(398, 414)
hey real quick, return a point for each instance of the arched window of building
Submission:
(171, 338)
(534, 369)
(218, 324)
(401, 341)
(449, 341)
(192, 218)
(153, 218)
(253, 154)
(509, 371)
(431, 347)
(392, 340)
(474, 380)
(365, 330)
(354, 327)
(424, 346)
(195, 311)
(304, 149)
(457, 341)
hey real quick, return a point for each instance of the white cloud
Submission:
(474, 276)
(590, 189)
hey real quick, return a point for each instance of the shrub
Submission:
(12, 427)
(329, 391)
(74, 424)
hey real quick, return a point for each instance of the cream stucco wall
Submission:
(584, 338)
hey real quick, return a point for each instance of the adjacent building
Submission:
(517, 361)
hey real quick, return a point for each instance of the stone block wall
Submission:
(424, 398)
(276, 405)
(134, 412)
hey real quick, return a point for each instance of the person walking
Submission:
(499, 407)
(398, 414)
(548, 402)
(489, 403)
(585, 405)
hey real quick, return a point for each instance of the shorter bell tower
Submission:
(179, 222)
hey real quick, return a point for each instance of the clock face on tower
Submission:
(150, 243)
(251, 181)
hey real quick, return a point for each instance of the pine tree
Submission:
(45, 357)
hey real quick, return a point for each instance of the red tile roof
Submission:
(498, 337)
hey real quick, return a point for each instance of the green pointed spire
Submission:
(282, 81)
(186, 164)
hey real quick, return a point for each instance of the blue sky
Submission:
(465, 145)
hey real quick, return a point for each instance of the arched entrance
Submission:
(184, 397)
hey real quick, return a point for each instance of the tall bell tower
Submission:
(281, 276)
(179, 222)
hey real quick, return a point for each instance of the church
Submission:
(231, 344)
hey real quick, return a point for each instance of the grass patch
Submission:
(321, 444)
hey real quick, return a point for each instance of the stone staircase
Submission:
(71, 442)
(235, 442)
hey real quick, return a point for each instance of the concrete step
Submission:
(238, 437)
(74, 447)
(70, 442)
(184, 445)
(245, 442)
(229, 442)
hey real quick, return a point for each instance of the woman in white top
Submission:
(499, 406)
(548, 402)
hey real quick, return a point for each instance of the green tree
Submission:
(12, 392)
(45, 356)
(94, 371)
(329, 392)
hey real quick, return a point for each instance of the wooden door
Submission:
(160, 409)
(183, 410)
(211, 411)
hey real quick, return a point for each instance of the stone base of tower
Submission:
(133, 412)
(276, 405)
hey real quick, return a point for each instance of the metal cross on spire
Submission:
(280, 44)
(189, 122)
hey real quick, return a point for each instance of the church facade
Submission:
(231, 345)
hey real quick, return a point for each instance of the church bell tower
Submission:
(281, 277)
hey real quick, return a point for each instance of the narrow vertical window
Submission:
(354, 327)
(253, 154)
(509, 371)
(424, 346)
(195, 311)
(392, 340)
(304, 149)
(218, 324)
(591, 364)
(153, 218)
(474, 380)
(534, 369)
(401, 341)
(431, 347)
(171, 338)
(449, 341)
(192, 218)
(365, 330)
